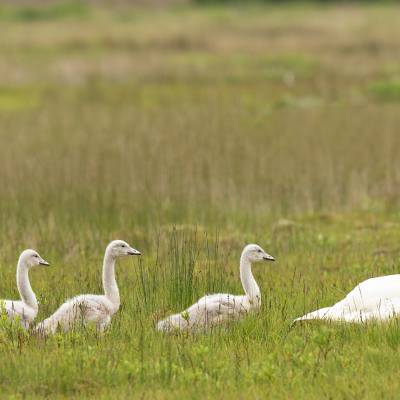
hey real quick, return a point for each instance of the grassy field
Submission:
(190, 132)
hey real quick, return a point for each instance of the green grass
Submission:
(386, 90)
(35, 13)
(190, 132)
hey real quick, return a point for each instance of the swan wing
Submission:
(371, 296)
(208, 311)
(18, 309)
(221, 302)
(78, 310)
(385, 310)
(217, 308)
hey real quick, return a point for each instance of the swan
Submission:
(215, 309)
(25, 309)
(90, 308)
(373, 299)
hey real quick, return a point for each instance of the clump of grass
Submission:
(57, 11)
(388, 90)
(302, 102)
(16, 99)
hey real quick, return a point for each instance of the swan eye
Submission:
(122, 245)
(259, 251)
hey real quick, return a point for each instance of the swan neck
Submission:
(249, 283)
(24, 286)
(109, 283)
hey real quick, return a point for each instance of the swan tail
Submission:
(64, 318)
(322, 313)
(175, 322)
(46, 327)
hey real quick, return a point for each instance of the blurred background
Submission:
(200, 112)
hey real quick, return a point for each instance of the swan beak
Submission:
(267, 257)
(43, 262)
(134, 252)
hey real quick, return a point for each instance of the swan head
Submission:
(119, 248)
(31, 257)
(255, 253)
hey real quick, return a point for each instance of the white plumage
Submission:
(374, 299)
(215, 309)
(25, 309)
(90, 308)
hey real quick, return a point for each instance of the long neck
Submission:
(249, 283)
(24, 286)
(109, 283)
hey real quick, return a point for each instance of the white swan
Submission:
(374, 299)
(25, 309)
(90, 308)
(215, 309)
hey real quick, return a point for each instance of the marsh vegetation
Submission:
(189, 132)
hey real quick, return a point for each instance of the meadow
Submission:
(189, 132)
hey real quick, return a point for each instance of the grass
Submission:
(35, 13)
(387, 90)
(190, 132)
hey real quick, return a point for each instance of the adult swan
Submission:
(215, 309)
(374, 299)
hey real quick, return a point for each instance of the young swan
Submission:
(215, 309)
(27, 308)
(374, 299)
(90, 308)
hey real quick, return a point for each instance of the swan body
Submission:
(26, 309)
(374, 299)
(90, 308)
(215, 309)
